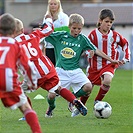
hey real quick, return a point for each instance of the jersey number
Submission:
(4, 51)
(32, 50)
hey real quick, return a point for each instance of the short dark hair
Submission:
(7, 24)
(104, 13)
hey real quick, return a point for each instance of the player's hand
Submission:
(48, 16)
(89, 53)
(122, 63)
(92, 53)
(116, 62)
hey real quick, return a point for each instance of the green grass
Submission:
(121, 120)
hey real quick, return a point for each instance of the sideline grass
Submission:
(120, 98)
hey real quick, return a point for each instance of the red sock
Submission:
(84, 99)
(66, 94)
(103, 90)
(32, 120)
(29, 101)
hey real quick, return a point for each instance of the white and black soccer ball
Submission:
(102, 110)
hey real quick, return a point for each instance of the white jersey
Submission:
(63, 20)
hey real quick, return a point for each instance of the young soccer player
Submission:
(13, 55)
(100, 71)
(68, 49)
(47, 77)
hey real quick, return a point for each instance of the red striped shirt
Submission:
(31, 44)
(109, 44)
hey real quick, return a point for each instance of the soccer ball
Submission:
(102, 110)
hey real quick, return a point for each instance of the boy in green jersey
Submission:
(68, 48)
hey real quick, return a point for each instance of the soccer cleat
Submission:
(70, 107)
(22, 119)
(80, 106)
(49, 113)
(75, 112)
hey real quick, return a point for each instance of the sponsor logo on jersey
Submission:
(70, 44)
(68, 53)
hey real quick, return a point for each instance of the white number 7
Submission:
(4, 53)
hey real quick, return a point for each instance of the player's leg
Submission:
(67, 95)
(26, 89)
(106, 75)
(85, 90)
(81, 87)
(105, 86)
(84, 94)
(29, 101)
(20, 101)
(51, 102)
(53, 85)
(31, 117)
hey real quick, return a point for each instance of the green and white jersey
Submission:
(68, 49)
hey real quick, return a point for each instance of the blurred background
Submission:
(31, 12)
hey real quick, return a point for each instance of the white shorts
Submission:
(74, 79)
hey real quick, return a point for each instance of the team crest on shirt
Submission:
(68, 53)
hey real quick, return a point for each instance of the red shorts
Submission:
(11, 94)
(13, 99)
(49, 81)
(95, 76)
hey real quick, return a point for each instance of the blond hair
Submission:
(76, 18)
(58, 11)
(19, 25)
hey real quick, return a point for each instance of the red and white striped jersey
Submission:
(31, 44)
(11, 55)
(109, 44)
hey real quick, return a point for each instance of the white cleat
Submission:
(75, 112)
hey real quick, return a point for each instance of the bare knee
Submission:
(107, 80)
(51, 95)
(87, 87)
(25, 107)
(58, 90)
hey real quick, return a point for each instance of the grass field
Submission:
(121, 120)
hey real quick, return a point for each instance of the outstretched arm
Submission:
(103, 55)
